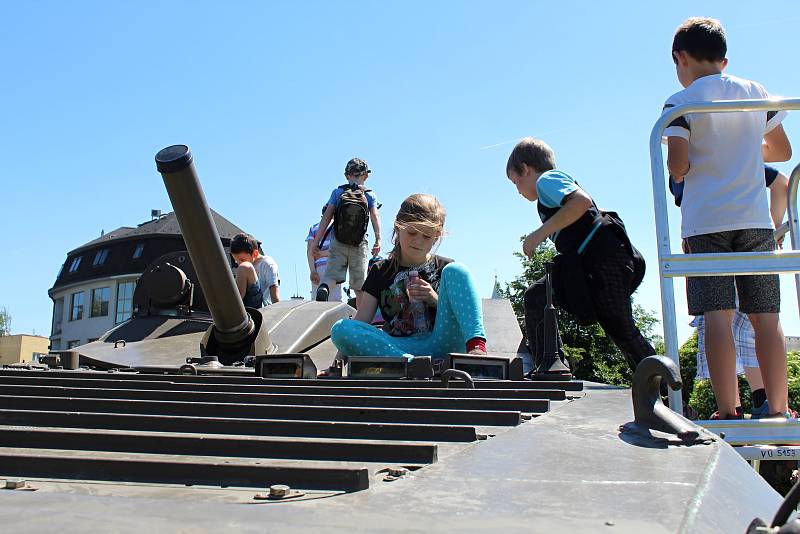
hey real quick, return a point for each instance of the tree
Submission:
(591, 354)
(5, 322)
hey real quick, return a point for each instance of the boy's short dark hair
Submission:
(243, 243)
(702, 38)
(532, 152)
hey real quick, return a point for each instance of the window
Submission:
(124, 301)
(58, 315)
(76, 262)
(77, 307)
(92, 339)
(100, 257)
(72, 344)
(100, 298)
(55, 344)
(138, 252)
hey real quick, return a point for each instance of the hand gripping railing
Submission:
(681, 265)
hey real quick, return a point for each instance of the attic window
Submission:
(100, 257)
(76, 262)
(138, 252)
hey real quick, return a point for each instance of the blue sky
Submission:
(274, 97)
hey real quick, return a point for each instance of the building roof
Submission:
(166, 224)
(13, 336)
(128, 250)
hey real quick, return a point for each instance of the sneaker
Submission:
(730, 417)
(322, 293)
(791, 414)
(760, 411)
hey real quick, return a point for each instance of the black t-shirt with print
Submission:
(386, 282)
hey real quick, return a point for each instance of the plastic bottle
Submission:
(416, 307)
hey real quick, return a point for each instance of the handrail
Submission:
(669, 320)
(792, 222)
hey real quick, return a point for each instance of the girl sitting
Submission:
(429, 303)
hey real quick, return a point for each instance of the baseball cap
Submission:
(356, 166)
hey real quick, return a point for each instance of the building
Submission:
(93, 291)
(21, 348)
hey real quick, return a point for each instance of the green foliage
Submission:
(5, 322)
(591, 354)
(687, 356)
(702, 396)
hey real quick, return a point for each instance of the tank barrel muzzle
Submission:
(232, 323)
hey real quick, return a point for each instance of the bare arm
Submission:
(323, 225)
(274, 294)
(778, 191)
(376, 227)
(677, 157)
(366, 311)
(776, 146)
(576, 205)
(245, 275)
(312, 269)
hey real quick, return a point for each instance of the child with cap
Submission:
(351, 207)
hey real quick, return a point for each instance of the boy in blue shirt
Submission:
(719, 157)
(607, 268)
(349, 207)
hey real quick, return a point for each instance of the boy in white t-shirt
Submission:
(720, 158)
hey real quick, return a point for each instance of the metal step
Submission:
(225, 430)
(240, 426)
(225, 446)
(166, 469)
(522, 405)
(343, 382)
(756, 431)
(333, 389)
(266, 411)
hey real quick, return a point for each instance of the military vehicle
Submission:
(180, 420)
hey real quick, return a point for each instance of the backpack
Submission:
(618, 227)
(351, 216)
(571, 287)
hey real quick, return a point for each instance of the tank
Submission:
(199, 414)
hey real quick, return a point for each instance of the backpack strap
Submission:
(354, 187)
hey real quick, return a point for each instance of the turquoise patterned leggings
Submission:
(459, 318)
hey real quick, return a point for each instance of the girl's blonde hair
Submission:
(421, 212)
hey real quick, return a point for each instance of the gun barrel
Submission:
(203, 243)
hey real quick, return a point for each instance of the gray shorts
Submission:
(757, 293)
(344, 258)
